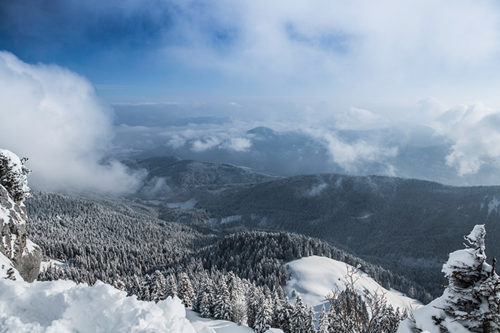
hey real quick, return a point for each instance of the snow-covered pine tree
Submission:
(471, 301)
(186, 292)
(205, 306)
(299, 318)
(309, 324)
(171, 287)
(323, 323)
(348, 312)
(284, 315)
(263, 317)
(222, 304)
(238, 301)
(158, 287)
(253, 305)
(473, 293)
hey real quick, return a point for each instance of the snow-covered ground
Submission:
(63, 306)
(314, 277)
(205, 325)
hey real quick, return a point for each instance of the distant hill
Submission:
(404, 224)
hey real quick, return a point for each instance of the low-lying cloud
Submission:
(54, 117)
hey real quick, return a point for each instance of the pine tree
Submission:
(263, 317)
(299, 318)
(186, 292)
(253, 305)
(285, 315)
(309, 323)
(171, 287)
(158, 288)
(222, 306)
(205, 306)
(323, 323)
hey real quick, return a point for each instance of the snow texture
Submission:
(5, 265)
(315, 277)
(63, 306)
(204, 325)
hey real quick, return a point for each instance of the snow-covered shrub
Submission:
(471, 301)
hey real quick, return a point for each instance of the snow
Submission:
(5, 264)
(315, 277)
(16, 166)
(189, 204)
(423, 317)
(64, 306)
(205, 325)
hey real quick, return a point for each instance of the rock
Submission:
(14, 244)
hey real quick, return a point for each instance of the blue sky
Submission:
(383, 54)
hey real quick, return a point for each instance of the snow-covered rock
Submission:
(64, 306)
(315, 277)
(14, 245)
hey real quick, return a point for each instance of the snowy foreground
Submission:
(314, 277)
(64, 306)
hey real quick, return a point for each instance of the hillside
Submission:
(314, 277)
(406, 225)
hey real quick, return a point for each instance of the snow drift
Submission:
(64, 306)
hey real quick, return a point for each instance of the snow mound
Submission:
(63, 306)
(314, 277)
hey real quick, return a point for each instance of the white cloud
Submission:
(53, 116)
(350, 155)
(239, 144)
(475, 136)
(362, 50)
(205, 144)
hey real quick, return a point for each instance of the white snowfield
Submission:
(64, 306)
(314, 277)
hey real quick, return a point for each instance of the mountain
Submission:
(171, 177)
(407, 225)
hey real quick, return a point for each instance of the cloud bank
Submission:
(54, 117)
